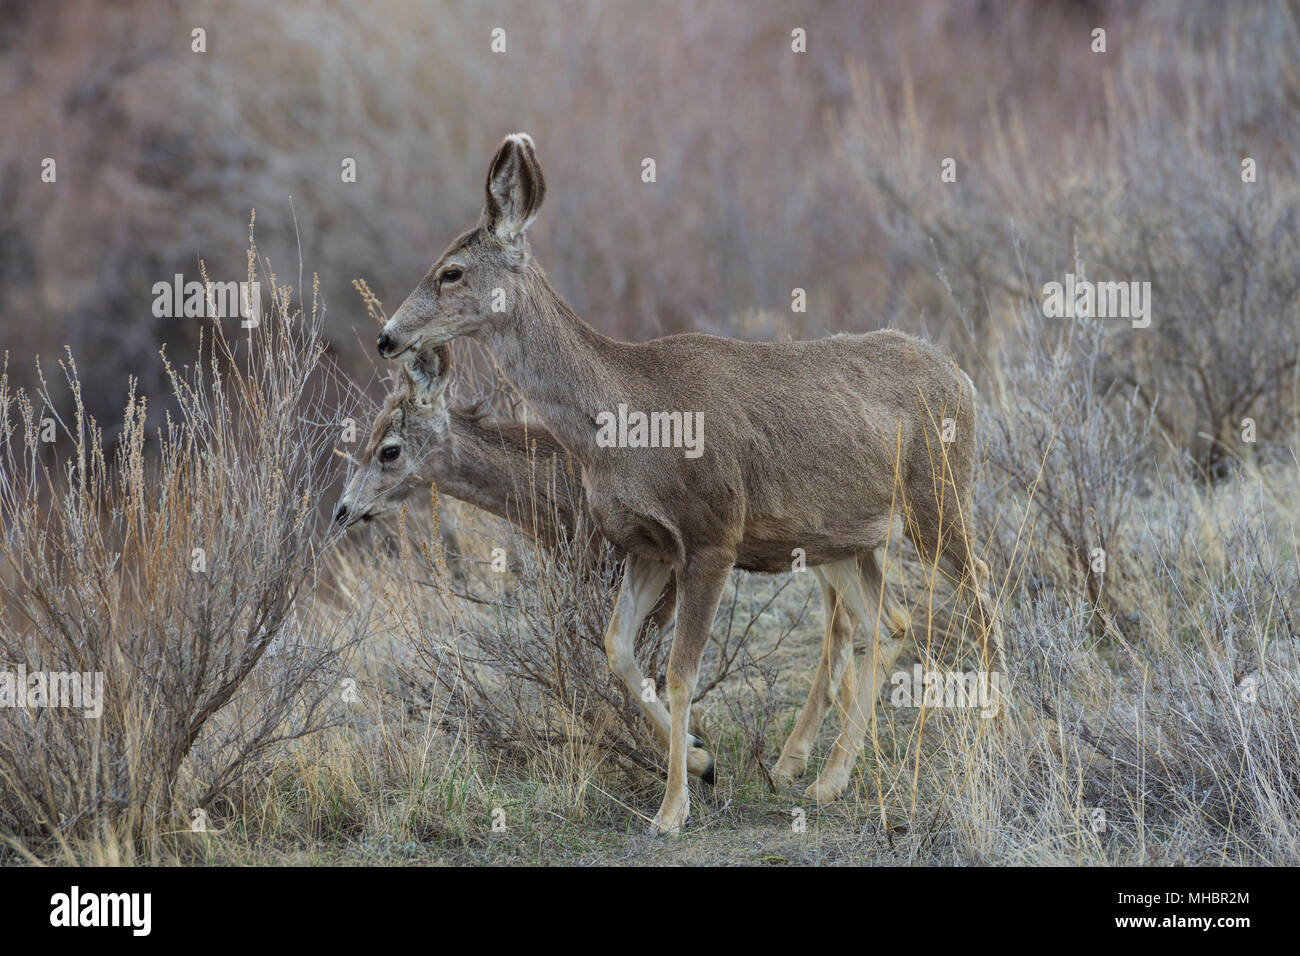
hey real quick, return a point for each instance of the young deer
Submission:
(816, 445)
(506, 469)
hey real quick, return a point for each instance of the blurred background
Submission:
(775, 170)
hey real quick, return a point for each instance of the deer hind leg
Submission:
(973, 574)
(861, 582)
(836, 656)
(944, 536)
(699, 588)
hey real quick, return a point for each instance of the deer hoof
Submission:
(708, 777)
(827, 790)
(667, 824)
(699, 762)
(788, 770)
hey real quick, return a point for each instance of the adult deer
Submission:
(507, 469)
(817, 445)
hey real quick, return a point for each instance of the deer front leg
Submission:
(643, 582)
(699, 588)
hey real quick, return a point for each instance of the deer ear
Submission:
(515, 187)
(429, 372)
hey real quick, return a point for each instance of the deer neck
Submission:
(567, 370)
(494, 469)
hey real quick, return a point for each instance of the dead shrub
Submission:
(177, 563)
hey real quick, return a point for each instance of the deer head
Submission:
(411, 428)
(476, 282)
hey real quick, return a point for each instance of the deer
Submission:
(818, 448)
(418, 438)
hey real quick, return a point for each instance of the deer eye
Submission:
(390, 453)
(449, 276)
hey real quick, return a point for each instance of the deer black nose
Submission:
(385, 343)
(341, 516)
